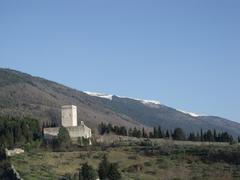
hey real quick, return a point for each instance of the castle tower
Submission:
(69, 116)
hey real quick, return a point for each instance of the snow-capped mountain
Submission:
(152, 103)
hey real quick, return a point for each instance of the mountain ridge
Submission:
(24, 95)
(144, 101)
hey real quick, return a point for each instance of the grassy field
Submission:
(135, 162)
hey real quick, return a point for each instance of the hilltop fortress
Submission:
(69, 121)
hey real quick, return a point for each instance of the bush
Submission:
(87, 173)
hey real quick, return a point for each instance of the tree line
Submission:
(158, 132)
(18, 131)
(109, 128)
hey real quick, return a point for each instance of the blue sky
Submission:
(183, 53)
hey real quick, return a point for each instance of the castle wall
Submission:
(74, 132)
(79, 131)
(49, 133)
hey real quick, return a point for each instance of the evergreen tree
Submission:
(9, 138)
(2, 153)
(103, 168)
(215, 135)
(178, 134)
(155, 134)
(167, 134)
(160, 134)
(64, 140)
(151, 135)
(114, 173)
(144, 134)
(87, 172)
(134, 133)
(110, 127)
(130, 131)
(209, 136)
(123, 131)
(198, 137)
(192, 137)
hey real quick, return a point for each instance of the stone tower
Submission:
(69, 116)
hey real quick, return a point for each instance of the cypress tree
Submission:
(167, 134)
(103, 168)
(201, 134)
(64, 140)
(215, 135)
(155, 132)
(87, 172)
(144, 134)
(160, 134)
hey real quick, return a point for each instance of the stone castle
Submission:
(69, 121)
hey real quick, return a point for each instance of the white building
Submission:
(69, 121)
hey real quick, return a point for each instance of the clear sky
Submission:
(186, 54)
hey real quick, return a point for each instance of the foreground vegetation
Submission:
(135, 162)
(136, 155)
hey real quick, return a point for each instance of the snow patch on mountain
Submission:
(109, 96)
(101, 95)
(149, 102)
(189, 113)
(146, 102)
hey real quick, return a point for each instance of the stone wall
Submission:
(74, 132)
(50, 133)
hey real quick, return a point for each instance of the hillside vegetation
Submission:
(136, 162)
